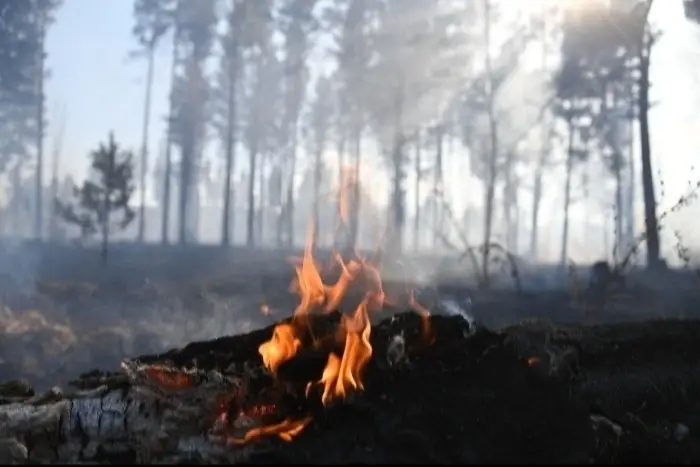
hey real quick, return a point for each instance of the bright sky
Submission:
(102, 90)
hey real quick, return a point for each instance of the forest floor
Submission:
(57, 328)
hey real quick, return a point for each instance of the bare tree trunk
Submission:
(397, 203)
(650, 220)
(144, 143)
(39, 213)
(58, 141)
(250, 224)
(493, 147)
(165, 224)
(416, 189)
(620, 211)
(437, 184)
(536, 200)
(631, 188)
(260, 224)
(567, 195)
(227, 215)
(289, 218)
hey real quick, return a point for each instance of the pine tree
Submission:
(101, 204)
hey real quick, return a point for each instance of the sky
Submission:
(97, 88)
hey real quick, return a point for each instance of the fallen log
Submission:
(532, 393)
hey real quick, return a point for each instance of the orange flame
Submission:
(283, 346)
(342, 374)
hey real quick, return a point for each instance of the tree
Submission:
(246, 26)
(297, 23)
(413, 79)
(23, 28)
(262, 99)
(617, 40)
(101, 204)
(317, 127)
(153, 18)
(691, 8)
(196, 22)
(489, 128)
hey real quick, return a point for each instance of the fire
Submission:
(342, 373)
(283, 346)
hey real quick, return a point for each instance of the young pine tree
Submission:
(101, 204)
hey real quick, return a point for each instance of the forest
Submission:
(486, 273)
(276, 104)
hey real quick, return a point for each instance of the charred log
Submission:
(533, 393)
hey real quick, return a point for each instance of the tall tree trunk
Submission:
(289, 217)
(227, 215)
(619, 211)
(250, 224)
(262, 200)
(631, 188)
(184, 195)
(39, 194)
(397, 205)
(492, 148)
(416, 189)
(650, 220)
(395, 249)
(567, 195)
(144, 143)
(165, 224)
(437, 185)
(56, 162)
(536, 201)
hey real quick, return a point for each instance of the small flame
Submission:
(283, 346)
(342, 374)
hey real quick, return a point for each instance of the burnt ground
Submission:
(530, 393)
(69, 314)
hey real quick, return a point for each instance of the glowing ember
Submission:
(286, 430)
(167, 379)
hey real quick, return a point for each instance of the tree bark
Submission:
(144, 143)
(226, 221)
(165, 224)
(536, 200)
(650, 220)
(567, 195)
(39, 213)
(250, 221)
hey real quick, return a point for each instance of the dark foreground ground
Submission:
(532, 393)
